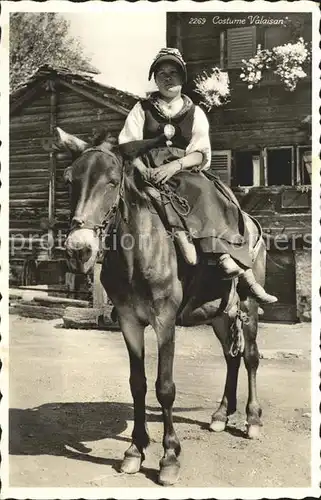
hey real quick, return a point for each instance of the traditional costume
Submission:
(211, 217)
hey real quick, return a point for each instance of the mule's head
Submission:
(95, 177)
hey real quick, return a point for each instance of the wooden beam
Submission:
(293, 167)
(100, 298)
(222, 49)
(83, 318)
(29, 310)
(52, 164)
(29, 93)
(265, 169)
(98, 100)
(60, 302)
(178, 33)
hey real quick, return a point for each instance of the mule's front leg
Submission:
(251, 361)
(165, 391)
(133, 332)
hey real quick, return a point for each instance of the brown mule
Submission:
(149, 285)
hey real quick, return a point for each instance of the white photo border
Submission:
(177, 492)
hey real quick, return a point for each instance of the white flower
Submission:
(213, 87)
(300, 73)
(285, 61)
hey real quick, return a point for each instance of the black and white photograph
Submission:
(160, 249)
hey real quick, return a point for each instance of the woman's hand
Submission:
(162, 174)
(146, 173)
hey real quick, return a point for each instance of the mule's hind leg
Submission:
(165, 392)
(133, 332)
(251, 361)
(221, 326)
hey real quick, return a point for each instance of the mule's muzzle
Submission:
(82, 247)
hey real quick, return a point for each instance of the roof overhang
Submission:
(103, 95)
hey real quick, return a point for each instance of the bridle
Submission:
(179, 203)
(101, 228)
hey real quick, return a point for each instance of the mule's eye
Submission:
(113, 182)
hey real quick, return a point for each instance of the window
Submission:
(241, 44)
(276, 35)
(273, 37)
(275, 166)
(304, 164)
(247, 168)
(279, 166)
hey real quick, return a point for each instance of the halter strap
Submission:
(103, 150)
(108, 217)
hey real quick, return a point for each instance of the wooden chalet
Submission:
(260, 146)
(260, 139)
(39, 197)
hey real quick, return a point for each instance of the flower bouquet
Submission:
(213, 87)
(286, 61)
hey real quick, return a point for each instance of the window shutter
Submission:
(304, 164)
(241, 44)
(221, 165)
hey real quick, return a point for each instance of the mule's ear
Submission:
(111, 142)
(68, 175)
(71, 143)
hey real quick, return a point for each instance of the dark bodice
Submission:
(183, 122)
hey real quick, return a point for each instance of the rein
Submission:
(179, 203)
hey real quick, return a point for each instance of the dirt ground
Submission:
(71, 412)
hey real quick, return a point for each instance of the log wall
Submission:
(78, 115)
(29, 167)
(34, 172)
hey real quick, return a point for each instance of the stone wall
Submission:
(303, 284)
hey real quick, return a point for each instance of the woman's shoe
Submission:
(229, 266)
(256, 291)
(187, 248)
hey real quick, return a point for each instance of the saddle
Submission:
(185, 244)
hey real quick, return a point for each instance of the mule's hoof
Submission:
(169, 474)
(217, 426)
(169, 470)
(253, 431)
(131, 465)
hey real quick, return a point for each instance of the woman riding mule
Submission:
(149, 285)
(213, 219)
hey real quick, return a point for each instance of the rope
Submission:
(236, 331)
(183, 207)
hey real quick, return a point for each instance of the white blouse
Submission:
(200, 141)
